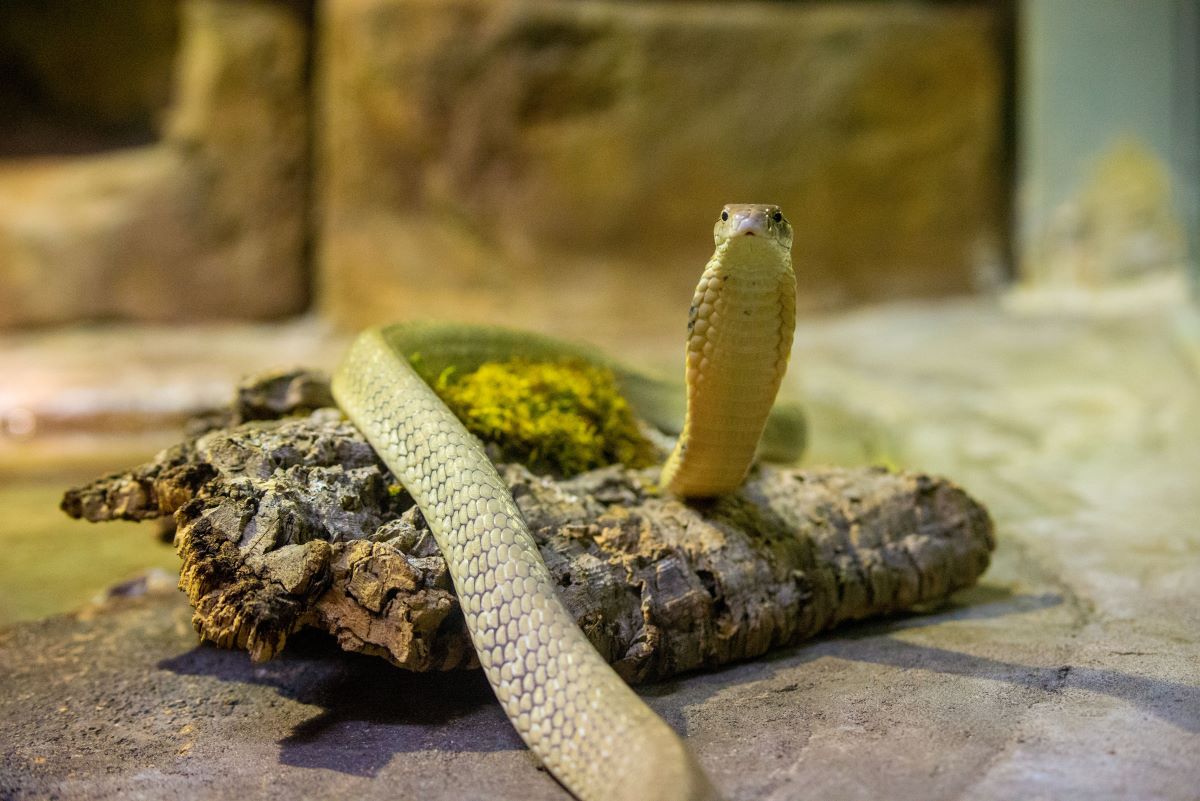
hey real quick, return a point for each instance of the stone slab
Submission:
(104, 397)
(1071, 672)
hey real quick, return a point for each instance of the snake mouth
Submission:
(753, 223)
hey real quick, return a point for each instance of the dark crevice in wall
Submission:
(77, 76)
(307, 10)
(1006, 42)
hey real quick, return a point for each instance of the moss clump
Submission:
(559, 418)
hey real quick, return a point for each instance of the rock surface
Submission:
(206, 222)
(1071, 672)
(520, 147)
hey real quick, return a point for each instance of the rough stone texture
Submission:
(1071, 672)
(477, 157)
(296, 523)
(207, 222)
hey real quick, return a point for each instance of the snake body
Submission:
(739, 339)
(587, 726)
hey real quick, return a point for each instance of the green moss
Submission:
(560, 418)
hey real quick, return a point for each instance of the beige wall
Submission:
(559, 165)
(207, 219)
(550, 164)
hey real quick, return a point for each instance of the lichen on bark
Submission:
(285, 521)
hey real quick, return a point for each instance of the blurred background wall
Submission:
(557, 164)
(525, 162)
(535, 162)
(1110, 142)
(155, 160)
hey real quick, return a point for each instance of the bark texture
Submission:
(286, 521)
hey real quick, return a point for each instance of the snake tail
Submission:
(573, 711)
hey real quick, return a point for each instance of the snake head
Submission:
(753, 219)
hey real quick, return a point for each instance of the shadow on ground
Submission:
(369, 709)
(871, 642)
(1172, 702)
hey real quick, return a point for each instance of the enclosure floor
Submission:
(1072, 671)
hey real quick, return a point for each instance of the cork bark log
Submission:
(285, 519)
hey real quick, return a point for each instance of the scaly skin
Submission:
(739, 339)
(591, 731)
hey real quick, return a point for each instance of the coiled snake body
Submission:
(591, 731)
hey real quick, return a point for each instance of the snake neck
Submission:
(750, 257)
(739, 338)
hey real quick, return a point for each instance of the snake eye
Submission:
(724, 216)
(777, 216)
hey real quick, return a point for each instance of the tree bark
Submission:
(294, 522)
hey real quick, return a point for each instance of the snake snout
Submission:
(751, 223)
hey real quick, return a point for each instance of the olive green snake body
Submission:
(580, 718)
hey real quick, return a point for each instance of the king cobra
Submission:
(573, 711)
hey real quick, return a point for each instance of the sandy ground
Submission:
(1072, 671)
